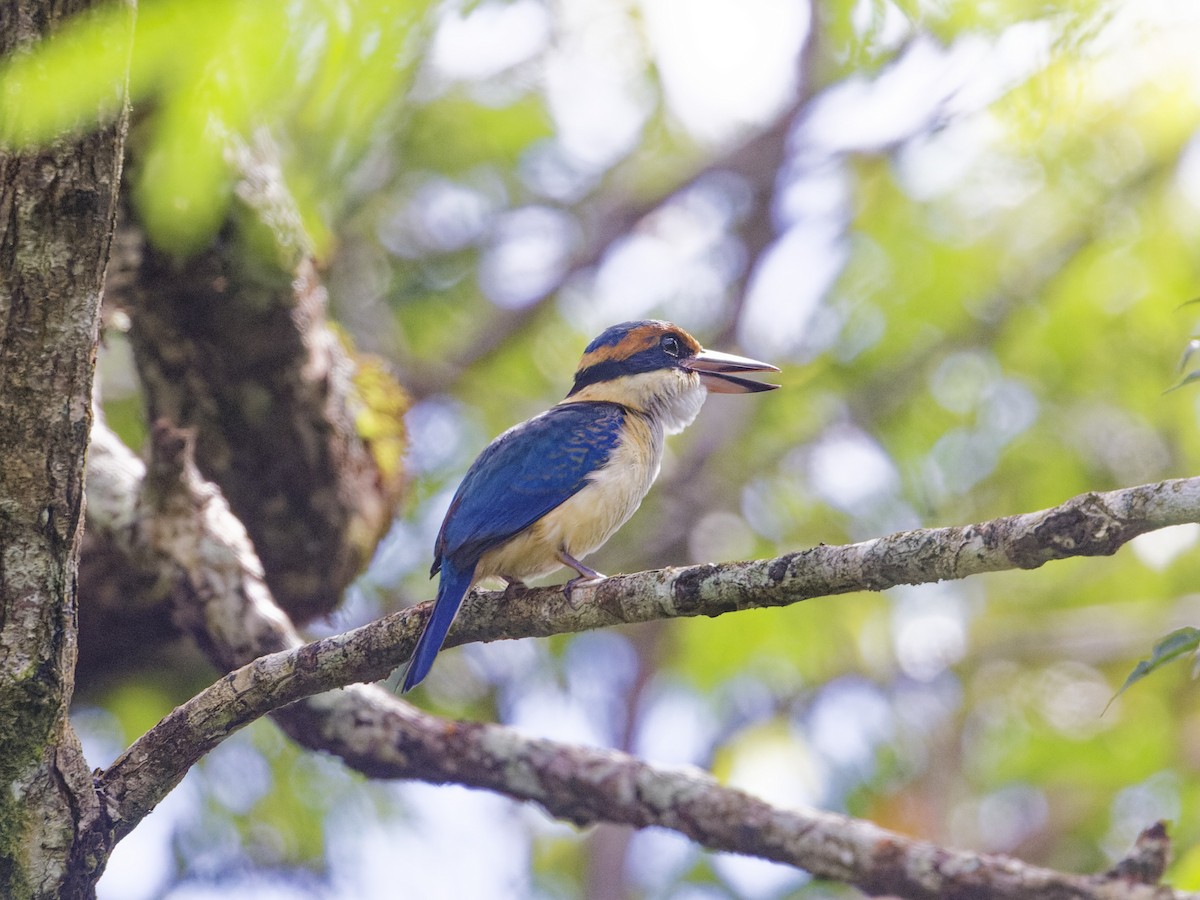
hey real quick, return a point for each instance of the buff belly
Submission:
(583, 523)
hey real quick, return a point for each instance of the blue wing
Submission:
(525, 473)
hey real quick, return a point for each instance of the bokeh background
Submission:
(966, 231)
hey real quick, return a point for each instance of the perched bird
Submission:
(551, 490)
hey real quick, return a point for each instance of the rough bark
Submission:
(57, 209)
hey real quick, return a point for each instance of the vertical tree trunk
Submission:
(57, 210)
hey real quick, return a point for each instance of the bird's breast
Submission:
(586, 520)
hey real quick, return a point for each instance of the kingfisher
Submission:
(550, 491)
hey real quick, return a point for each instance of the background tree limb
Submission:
(234, 342)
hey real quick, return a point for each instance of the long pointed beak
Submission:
(714, 369)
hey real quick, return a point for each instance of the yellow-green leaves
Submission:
(72, 81)
(319, 76)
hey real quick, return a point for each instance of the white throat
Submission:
(670, 397)
(678, 410)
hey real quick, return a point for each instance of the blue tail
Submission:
(452, 588)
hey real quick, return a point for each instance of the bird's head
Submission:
(660, 369)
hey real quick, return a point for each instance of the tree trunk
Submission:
(57, 210)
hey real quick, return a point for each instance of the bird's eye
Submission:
(670, 345)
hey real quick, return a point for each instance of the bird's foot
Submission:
(580, 581)
(587, 575)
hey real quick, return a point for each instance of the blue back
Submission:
(525, 473)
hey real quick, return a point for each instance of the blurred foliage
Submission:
(1009, 193)
(318, 74)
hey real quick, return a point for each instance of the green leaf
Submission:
(1174, 645)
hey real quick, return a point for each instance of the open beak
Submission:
(715, 368)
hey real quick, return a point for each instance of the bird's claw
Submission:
(580, 581)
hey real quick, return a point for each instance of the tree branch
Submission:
(382, 736)
(1092, 524)
(1087, 525)
(586, 785)
(390, 739)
